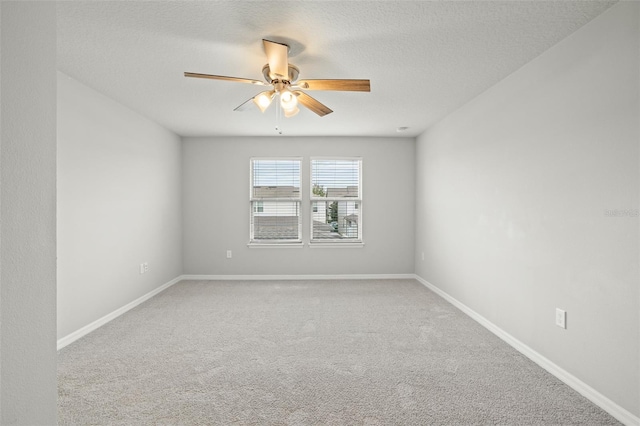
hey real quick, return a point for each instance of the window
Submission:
(275, 201)
(336, 198)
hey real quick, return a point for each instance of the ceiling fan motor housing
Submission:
(293, 73)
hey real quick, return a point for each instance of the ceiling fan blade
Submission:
(343, 85)
(277, 58)
(244, 106)
(222, 77)
(312, 104)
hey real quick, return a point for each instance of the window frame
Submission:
(252, 199)
(353, 242)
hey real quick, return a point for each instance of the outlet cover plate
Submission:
(561, 318)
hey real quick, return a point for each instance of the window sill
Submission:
(276, 245)
(317, 244)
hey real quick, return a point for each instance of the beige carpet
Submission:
(370, 352)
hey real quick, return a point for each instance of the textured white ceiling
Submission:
(424, 59)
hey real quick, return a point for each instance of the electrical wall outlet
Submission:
(144, 267)
(561, 318)
(229, 254)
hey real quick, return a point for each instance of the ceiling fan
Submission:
(282, 77)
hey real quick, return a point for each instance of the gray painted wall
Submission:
(119, 205)
(514, 198)
(216, 207)
(27, 214)
(514, 186)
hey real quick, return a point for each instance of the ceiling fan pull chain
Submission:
(278, 117)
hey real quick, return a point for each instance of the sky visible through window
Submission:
(276, 173)
(325, 173)
(335, 173)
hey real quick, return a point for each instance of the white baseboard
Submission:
(578, 385)
(298, 277)
(70, 338)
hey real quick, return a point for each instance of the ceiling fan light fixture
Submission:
(288, 100)
(263, 100)
(291, 112)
